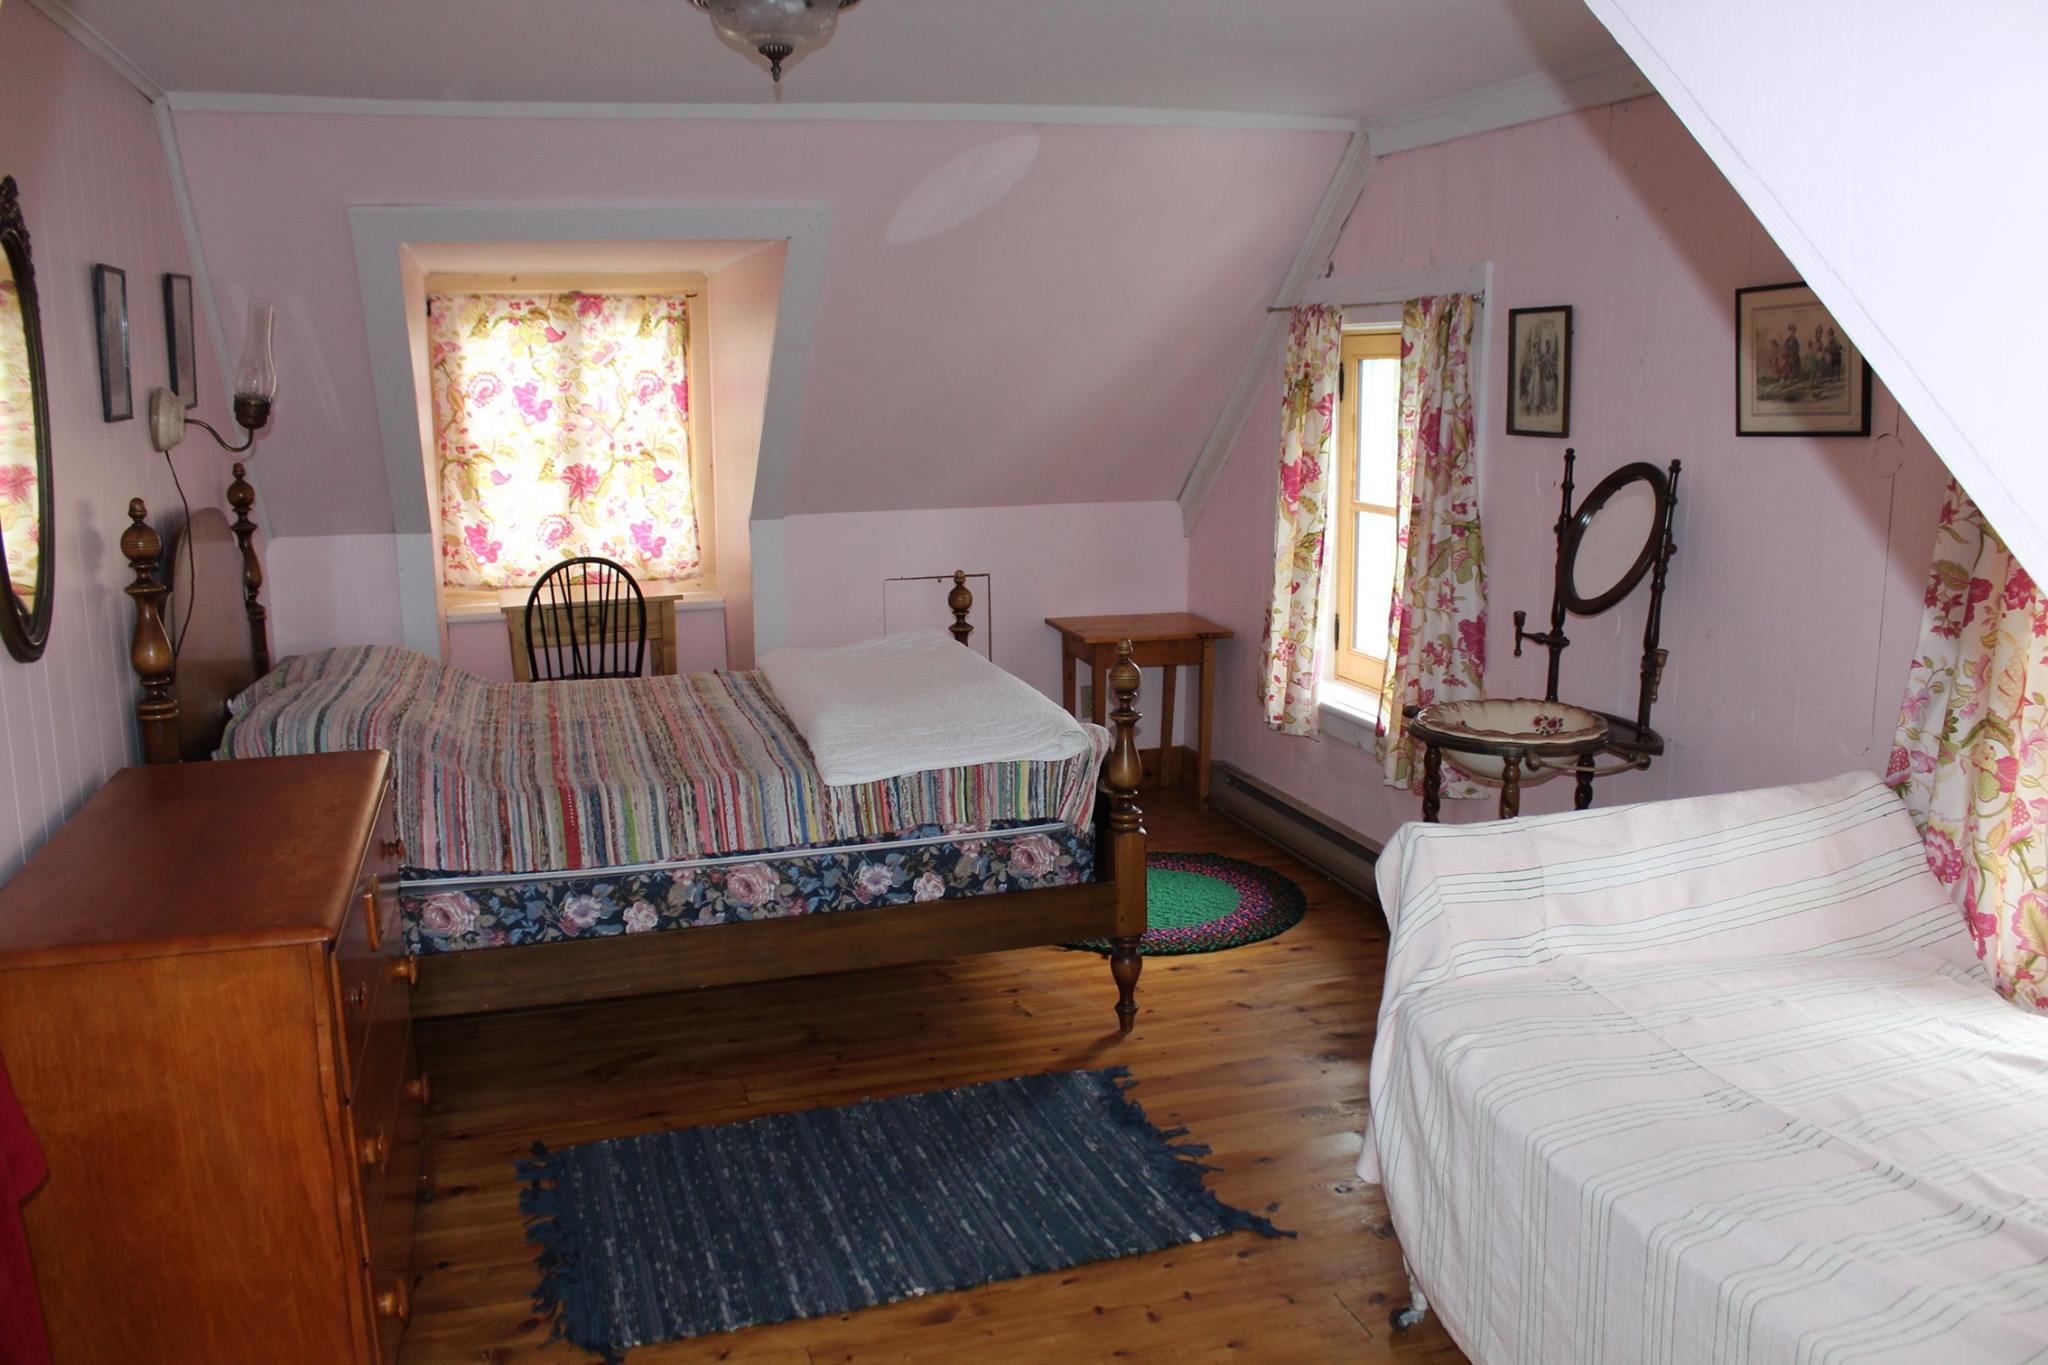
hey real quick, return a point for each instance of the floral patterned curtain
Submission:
(560, 425)
(1437, 620)
(1972, 753)
(1308, 423)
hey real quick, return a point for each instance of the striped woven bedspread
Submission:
(551, 777)
(1715, 1080)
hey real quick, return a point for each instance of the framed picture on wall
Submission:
(1540, 371)
(110, 309)
(184, 357)
(1796, 374)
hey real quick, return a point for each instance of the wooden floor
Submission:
(1262, 1051)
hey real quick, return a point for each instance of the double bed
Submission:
(888, 802)
(1706, 1080)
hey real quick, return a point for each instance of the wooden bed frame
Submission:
(217, 574)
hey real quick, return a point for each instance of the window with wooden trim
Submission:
(1368, 439)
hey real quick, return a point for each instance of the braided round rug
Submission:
(1205, 902)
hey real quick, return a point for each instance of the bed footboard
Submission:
(1125, 855)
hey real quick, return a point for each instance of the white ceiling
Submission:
(1354, 59)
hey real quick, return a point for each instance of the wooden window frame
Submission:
(1347, 662)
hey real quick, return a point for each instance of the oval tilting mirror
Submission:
(1613, 538)
(25, 504)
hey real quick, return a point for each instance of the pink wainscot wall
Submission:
(1795, 594)
(82, 145)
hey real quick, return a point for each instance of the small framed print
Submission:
(110, 308)
(184, 358)
(1540, 371)
(1796, 374)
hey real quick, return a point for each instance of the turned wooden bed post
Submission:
(1126, 851)
(150, 650)
(242, 497)
(960, 601)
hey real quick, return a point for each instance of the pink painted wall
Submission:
(1795, 594)
(83, 147)
(741, 304)
(1065, 340)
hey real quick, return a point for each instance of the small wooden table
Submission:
(1164, 640)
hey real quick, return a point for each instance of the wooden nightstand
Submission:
(1164, 640)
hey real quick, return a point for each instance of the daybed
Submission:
(1706, 1080)
(892, 802)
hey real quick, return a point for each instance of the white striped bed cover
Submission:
(1707, 1080)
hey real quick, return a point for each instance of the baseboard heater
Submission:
(1344, 855)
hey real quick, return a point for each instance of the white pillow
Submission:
(912, 702)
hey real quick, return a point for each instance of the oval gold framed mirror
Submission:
(25, 502)
(1613, 538)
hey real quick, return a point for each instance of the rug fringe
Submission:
(540, 1203)
(1180, 1161)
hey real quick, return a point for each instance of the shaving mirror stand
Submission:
(1606, 546)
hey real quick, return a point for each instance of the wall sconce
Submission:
(255, 387)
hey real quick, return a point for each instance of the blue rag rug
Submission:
(700, 1230)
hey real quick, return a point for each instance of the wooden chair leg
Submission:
(1124, 964)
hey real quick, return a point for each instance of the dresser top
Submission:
(189, 857)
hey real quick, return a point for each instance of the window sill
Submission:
(461, 606)
(1348, 714)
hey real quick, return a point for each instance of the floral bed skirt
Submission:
(444, 915)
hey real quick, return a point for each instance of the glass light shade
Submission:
(256, 372)
(779, 30)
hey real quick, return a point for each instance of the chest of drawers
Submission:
(207, 1016)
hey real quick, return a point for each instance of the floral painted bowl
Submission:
(1477, 736)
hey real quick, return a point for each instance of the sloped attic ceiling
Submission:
(1010, 315)
(1335, 58)
(1911, 206)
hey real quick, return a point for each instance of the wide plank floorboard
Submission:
(1262, 1051)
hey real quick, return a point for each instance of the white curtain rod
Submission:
(1479, 297)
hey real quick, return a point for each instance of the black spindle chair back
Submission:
(586, 618)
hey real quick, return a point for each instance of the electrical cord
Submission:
(191, 560)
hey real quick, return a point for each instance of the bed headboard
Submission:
(212, 599)
(208, 592)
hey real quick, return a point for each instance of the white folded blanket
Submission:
(911, 702)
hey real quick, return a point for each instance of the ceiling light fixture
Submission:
(779, 30)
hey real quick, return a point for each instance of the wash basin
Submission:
(1478, 736)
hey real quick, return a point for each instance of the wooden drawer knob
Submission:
(358, 996)
(371, 929)
(374, 1150)
(420, 1090)
(396, 1302)
(406, 969)
(394, 849)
